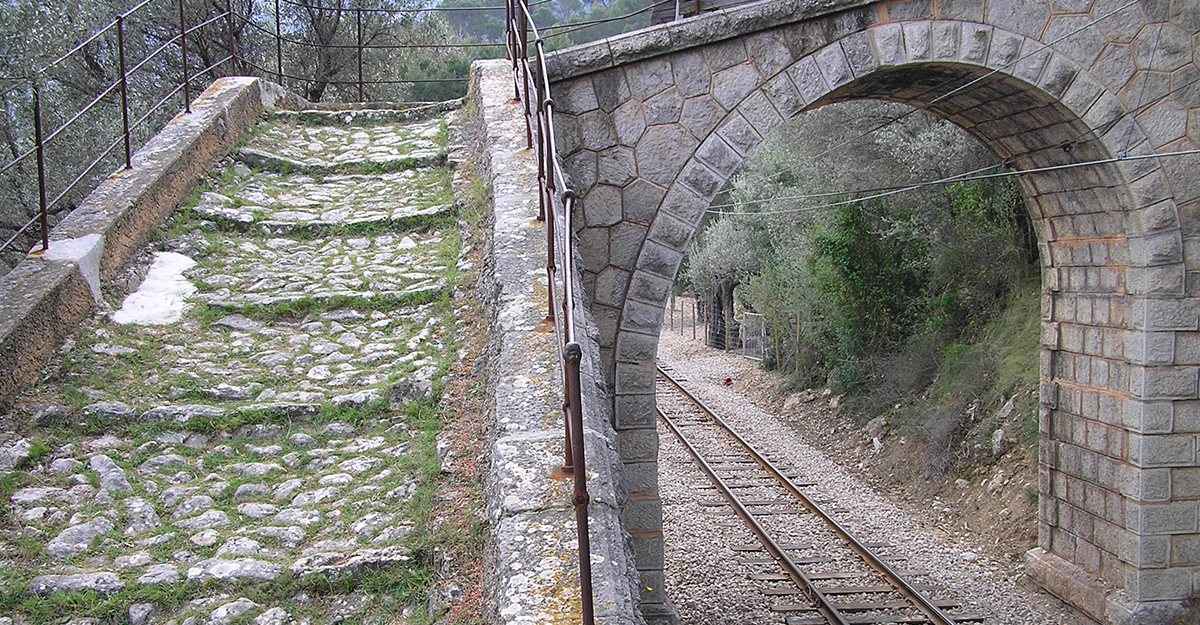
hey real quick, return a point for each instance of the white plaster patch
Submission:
(160, 298)
(87, 251)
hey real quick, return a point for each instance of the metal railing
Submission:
(244, 37)
(118, 88)
(531, 86)
(221, 29)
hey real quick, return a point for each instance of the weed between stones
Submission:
(221, 458)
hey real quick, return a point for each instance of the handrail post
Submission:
(41, 163)
(278, 46)
(580, 497)
(187, 96)
(541, 161)
(229, 34)
(525, 70)
(358, 21)
(124, 89)
(514, 52)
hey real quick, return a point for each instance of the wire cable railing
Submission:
(147, 58)
(556, 203)
(118, 89)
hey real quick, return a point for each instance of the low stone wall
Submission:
(531, 567)
(43, 299)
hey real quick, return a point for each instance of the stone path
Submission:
(254, 460)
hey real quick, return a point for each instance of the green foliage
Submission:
(951, 407)
(841, 284)
(922, 306)
(865, 286)
(621, 15)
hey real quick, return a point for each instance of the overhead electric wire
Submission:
(1007, 161)
(606, 20)
(1145, 79)
(926, 105)
(918, 185)
(437, 9)
(959, 177)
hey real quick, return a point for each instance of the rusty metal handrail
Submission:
(120, 87)
(531, 88)
(124, 69)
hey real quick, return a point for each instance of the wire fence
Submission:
(73, 121)
(686, 316)
(753, 336)
(85, 142)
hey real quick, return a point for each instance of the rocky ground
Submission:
(255, 435)
(980, 563)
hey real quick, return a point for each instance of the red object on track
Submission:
(728, 381)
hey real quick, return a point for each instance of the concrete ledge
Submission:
(44, 298)
(705, 29)
(1091, 596)
(531, 567)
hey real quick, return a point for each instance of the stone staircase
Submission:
(254, 456)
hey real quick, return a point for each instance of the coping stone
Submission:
(531, 521)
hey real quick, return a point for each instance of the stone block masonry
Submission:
(655, 122)
(531, 566)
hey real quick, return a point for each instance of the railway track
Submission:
(816, 570)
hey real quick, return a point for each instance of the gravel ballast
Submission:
(704, 578)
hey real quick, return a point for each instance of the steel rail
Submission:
(920, 601)
(531, 88)
(806, 585)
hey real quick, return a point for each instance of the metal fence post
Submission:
(358, 21)
(580, 498)
(511, 28)
(229, 34)
(41, 162)
(278, 46)
(524, 23)
(187, 96)
(124, 89)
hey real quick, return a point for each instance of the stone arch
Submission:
(651, 141)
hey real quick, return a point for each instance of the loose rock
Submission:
(78, 537)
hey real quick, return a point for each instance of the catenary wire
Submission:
(715, 209)
(972, 82)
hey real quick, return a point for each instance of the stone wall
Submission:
(658, 120)
(44, 297)
(531, 565)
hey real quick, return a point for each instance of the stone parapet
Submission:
(653, 124)
(730, 22)
(531, 563)
(44, 298)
